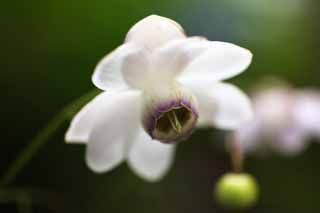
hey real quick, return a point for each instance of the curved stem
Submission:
(42, 137)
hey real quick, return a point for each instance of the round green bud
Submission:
(237, 190)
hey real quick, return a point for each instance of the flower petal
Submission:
(108, 74)
(250, 135)
(136, 68)
(173, 57)
(81, 125)
(290, 141)
(222, 105)
(154, 31)
(118, 121)
(278, 114)
(150, 159)
(306, 111)
(221, 61)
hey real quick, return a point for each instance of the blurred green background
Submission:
(49, 50)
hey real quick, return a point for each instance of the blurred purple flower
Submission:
(284, 121)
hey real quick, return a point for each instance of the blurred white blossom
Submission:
(158, 86)
(284, 121)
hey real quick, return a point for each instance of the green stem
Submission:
(42, 138)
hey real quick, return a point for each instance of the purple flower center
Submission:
(171, 121)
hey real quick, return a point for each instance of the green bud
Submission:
(237, 190)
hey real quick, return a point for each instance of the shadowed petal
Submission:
(81, 125)
(136, 68)
(174, 57)
(112, 131)
(108, 74)
(222, 105)
(150, 159)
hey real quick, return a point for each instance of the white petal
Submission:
(306, 111)
(221, 61)
(154, 31)
(173, 57)
(150, 159)
(290, 141)
(112, 132)
(274, 107)
(136, 68)
(222, 105)
(108, 74)
(81, 125)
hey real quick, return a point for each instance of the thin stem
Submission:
(236, 153)
(42, 137)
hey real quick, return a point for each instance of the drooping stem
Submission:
(236, 153)
(174, 121)
(42, 137)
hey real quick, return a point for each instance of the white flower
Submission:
(284, 121)
(307, 110)
(158, 86)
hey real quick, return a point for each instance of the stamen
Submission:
(170, 120)
(174, 121)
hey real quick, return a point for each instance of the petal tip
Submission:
(73, 138)
(149, 159)
(250, 54)
(156, 18)
(154, 31)
(68, 138)
(94, 168)
(95, 80)
(152, 178)
(99, 168)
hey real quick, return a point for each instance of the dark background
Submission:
(48, 52)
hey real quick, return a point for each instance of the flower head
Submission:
(159, 85)
(284, 121)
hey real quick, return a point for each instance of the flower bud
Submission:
(237, 191)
